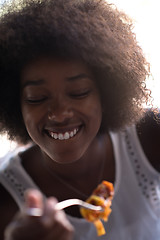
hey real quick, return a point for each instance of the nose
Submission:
(59, 111)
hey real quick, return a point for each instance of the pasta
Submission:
(101, 196)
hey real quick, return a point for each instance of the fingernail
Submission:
(34, 212)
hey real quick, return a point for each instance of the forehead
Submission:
(49, 67)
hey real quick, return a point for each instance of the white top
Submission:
(136, 204)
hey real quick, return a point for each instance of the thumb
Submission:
(34, 202)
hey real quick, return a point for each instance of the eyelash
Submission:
(35, 101)
(73, 95)
(80, 95)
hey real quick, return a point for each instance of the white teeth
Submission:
(64, 136)
(60, 136)
(54, 135)
(71, 134)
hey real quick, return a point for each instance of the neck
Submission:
(84, 174)
(91, 164)
(89, 161)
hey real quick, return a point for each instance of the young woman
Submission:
(72, 89)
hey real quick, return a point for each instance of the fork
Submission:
(37, 212)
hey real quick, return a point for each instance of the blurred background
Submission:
(146, 18)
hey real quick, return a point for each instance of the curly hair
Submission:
(93, 31)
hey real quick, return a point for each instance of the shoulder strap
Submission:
(15, 179)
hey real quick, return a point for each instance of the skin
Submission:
(59, 101)
(52, 225)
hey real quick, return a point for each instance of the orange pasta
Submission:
(101, 196)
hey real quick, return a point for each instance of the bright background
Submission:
(146, 16)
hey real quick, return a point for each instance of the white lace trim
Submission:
(147, 177)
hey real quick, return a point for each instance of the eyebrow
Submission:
(32, 83)
(42, 81)
(77, 77)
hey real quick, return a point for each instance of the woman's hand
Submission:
(51, 225)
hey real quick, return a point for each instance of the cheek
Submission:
(97, 116)
(30, 118)
(94, 111)
(96, 106)
(32, 115)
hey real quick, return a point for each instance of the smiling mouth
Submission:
(63, 136)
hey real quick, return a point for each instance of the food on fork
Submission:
(101, 196)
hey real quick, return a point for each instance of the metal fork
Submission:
(37, 212)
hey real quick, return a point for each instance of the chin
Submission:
(64, 158)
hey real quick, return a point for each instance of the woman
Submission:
(72, 80)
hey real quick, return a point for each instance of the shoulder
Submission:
(8, 209)
(148, 130)
(149, 126)
(151, 117)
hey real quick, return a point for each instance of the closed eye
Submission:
(35, 100)
(80, 94)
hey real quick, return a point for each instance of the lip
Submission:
(62, 133)
(62, 129)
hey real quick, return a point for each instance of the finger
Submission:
(61, 228)
(60, 234)
(34, 203)
(33, 198)
(49, 212)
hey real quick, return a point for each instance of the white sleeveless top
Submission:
(136, 204)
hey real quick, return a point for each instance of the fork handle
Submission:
(67, 203)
